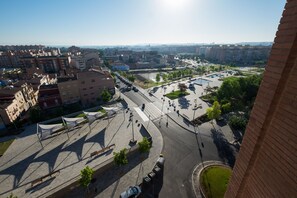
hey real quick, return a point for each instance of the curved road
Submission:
(182, 150)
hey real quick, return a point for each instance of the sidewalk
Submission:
(25, 160)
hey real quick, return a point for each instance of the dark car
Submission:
(135, 89)
(143, 106)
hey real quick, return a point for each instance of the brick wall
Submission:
(267, 162)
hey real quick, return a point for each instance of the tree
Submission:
(144, 145)
(182, 87)
(105, 95)
(120, 158)
(226, 107)
(131, 78)
(35, 114)
(165, 77)
(158, 78)
(86, 176)
(214, 112)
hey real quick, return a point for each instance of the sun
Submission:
(174, 4)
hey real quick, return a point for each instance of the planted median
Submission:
(176, 94)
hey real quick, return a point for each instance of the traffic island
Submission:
(210, 179)
(214, 180)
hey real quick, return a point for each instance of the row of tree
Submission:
(120, 158)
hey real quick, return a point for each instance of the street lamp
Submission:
(132, 141)
(167, 116)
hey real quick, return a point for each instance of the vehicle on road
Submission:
(128, 88)
(132, 191)
(135, 89)
(143, 106)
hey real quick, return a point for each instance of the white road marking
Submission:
(141, 114)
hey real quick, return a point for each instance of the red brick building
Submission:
(49, 96)
(267, 162)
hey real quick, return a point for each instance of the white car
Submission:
(132, 191)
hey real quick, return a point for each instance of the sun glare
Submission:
(174, 4)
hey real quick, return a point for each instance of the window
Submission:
(84, 89)
(91, 87)
(85, 94)
(82, 82)
(93, 80)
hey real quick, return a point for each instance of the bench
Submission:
(103, 150)
(39, 180)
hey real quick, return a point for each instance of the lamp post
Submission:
(167, 116)
(163, 100)
(132, 141)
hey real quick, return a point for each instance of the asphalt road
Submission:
(182, 150)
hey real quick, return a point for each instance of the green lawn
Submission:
(214, 181)
(4, 146)
(176, 94)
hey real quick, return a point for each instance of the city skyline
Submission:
(136, 23)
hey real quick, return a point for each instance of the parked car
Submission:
(191, 85)
(161, 161)
(132, 191)
(143, 106)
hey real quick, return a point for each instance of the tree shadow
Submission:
(183, 102)
(225, 151)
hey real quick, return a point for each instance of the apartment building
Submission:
(91, 84)
(15, 100)
(68, 88)
(48, 64)
(49, 96)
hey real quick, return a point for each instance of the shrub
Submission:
(86, 176)
(144, 145)
(238, 123)
(226, 107)
(120, 158)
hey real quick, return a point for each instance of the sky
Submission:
(132, 22)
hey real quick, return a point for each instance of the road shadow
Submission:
(110, 175)
(183, 102)
(225, 150)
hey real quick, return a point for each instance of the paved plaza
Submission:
(186, 104)
(26, 159)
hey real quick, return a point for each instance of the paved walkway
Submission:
(25, 160)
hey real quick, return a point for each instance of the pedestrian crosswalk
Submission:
(152, 111)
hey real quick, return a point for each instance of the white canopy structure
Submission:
(111, 110)
(45, 130)
(72, 122)
(92, 116)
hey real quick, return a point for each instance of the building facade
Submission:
(267, 161)
(49, 96)
(16, 100)
(68, 88)
(92, 83)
